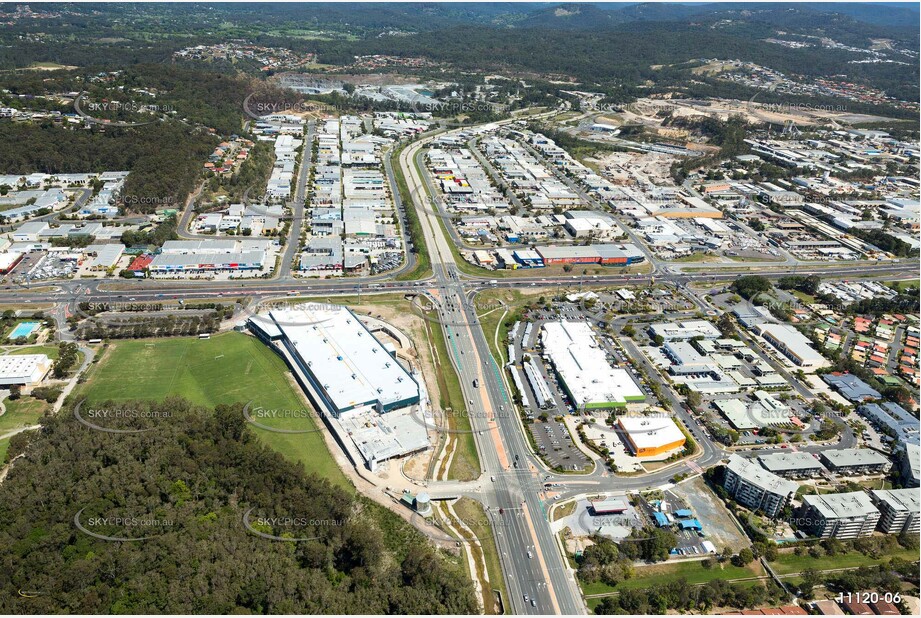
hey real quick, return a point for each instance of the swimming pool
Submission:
(23, 329)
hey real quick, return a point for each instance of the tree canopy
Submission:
(185, 485)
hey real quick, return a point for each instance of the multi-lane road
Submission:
(536, 577)
(510, 487)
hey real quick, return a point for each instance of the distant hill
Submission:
(571, 16)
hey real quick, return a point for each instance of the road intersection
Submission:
(510, 488)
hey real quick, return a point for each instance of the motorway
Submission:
(536, 576)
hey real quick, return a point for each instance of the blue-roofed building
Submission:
(691, 524)
(528, 258)
(661, 519)
(851, 387)
(683, 513)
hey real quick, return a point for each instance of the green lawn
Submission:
(228, 368)
(466, 463)
(901, 286)
(791, 563)
(697, 256)
(21, 413)
(806, 298)
(51, 351)
(693, 572)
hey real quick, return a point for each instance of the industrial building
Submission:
(855, 461)
(542, 395)
(9, 260)
(583, 368)
(791, 465)
(649, 436)
(841, 516)
(606, 255)
(351, 377)
(197, 256)
(900, 510)
(910, 464)
(765, 411)
(347, 365)
(792, 344)
(756, 488)
(23, 369)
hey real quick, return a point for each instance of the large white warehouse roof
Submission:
(346, 362)
(583, 366)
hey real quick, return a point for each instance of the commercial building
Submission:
(792, 344)
(841, 516)
(900, 510)
(649, 436)
(344, 362)
(746, 415)
(607, 255)
(791, 465)
(368, 398)
(682, 331)
(756, 488)
(851, 387)
(583, 368)
(854, 461)
(24, 369)
(528, 258)
(200, 256)
(166, 263)
(9, 260)
(607, 506)
(106, 256)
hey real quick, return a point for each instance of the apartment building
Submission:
(899, 510)
(841, 516)
(756, 488)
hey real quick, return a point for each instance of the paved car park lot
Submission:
(556, 445)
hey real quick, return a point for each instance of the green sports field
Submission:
(226, 368)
